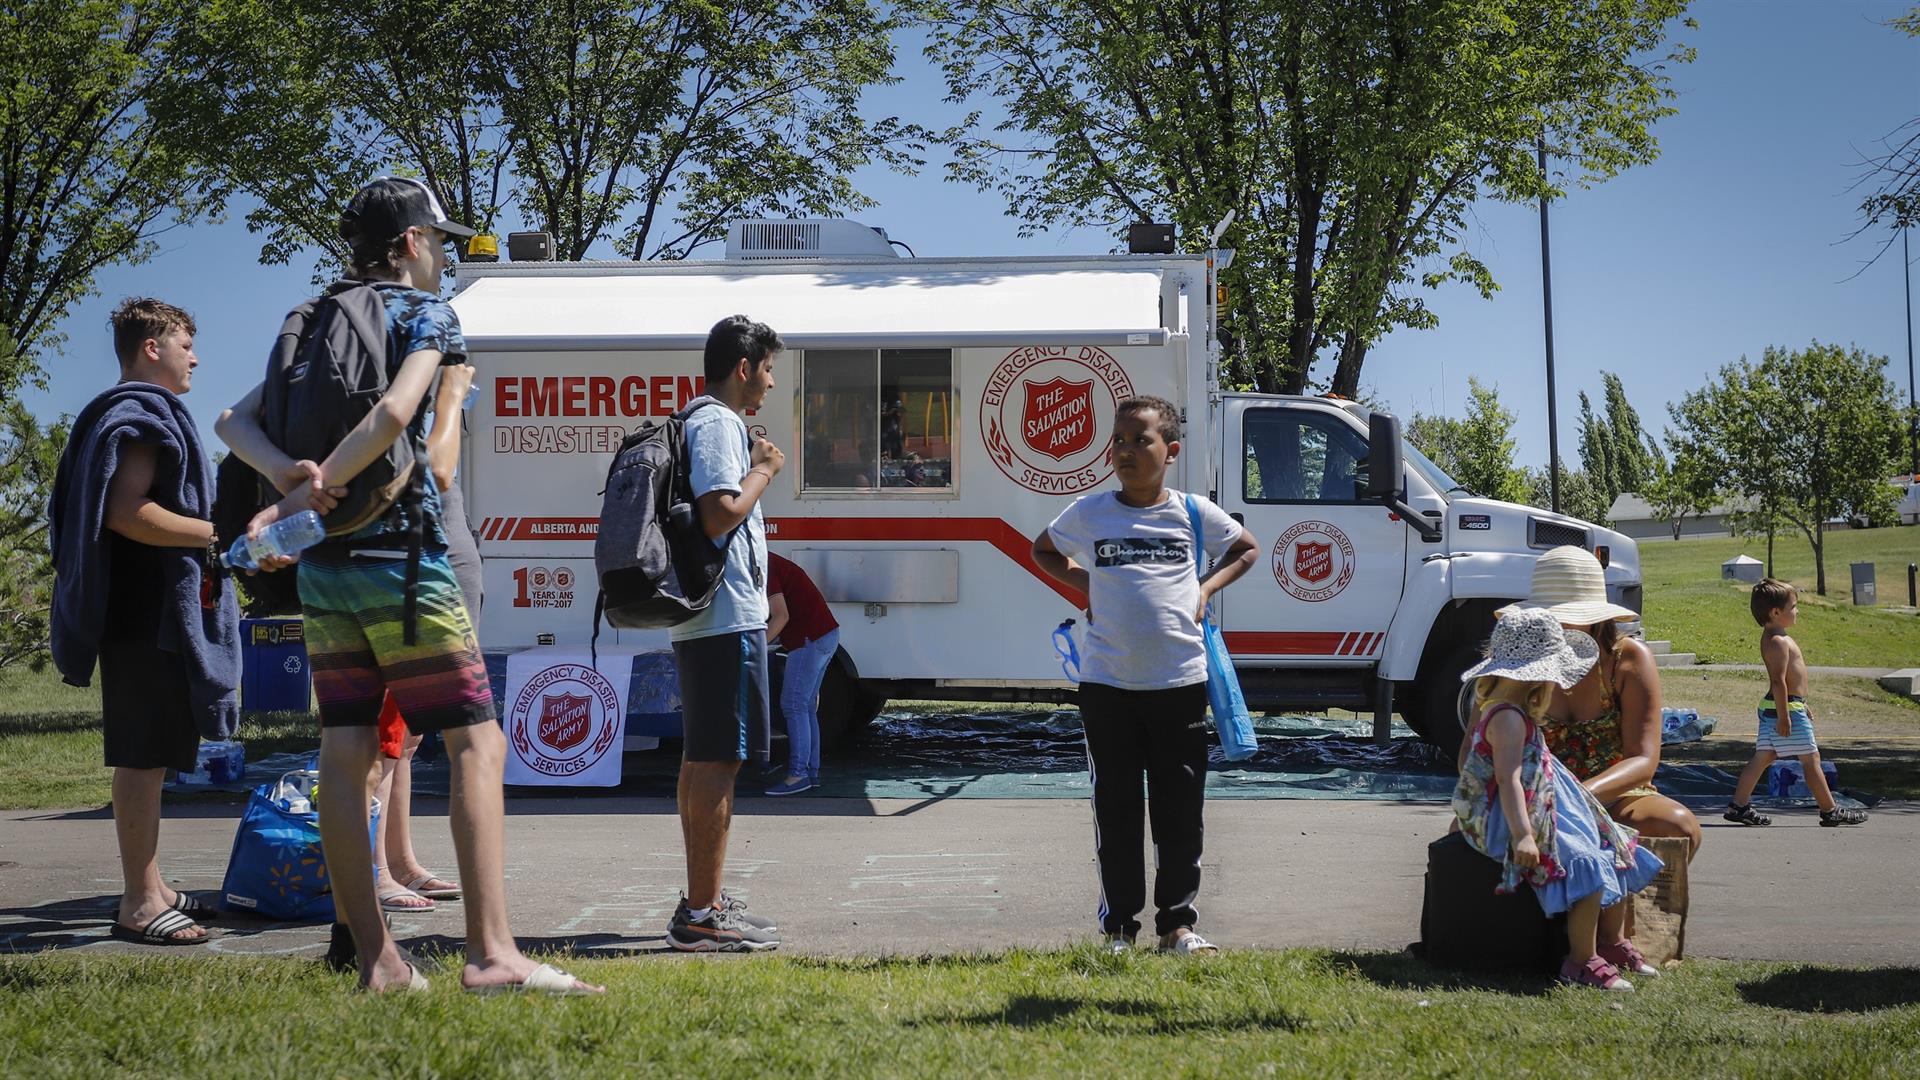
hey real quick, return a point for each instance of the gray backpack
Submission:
(657, 565)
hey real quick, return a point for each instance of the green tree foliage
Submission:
(1580, 497)
(1806, 436)
(95, 162)
(1680, 490)
(1349, 138)
(648, 125)
(1476, 450)
(1616, 453)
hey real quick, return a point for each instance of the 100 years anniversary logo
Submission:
(1046, 415)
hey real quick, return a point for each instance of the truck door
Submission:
(1334, 563)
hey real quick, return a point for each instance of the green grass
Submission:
(50, 743)
(1069, 1013)
(1688, 604)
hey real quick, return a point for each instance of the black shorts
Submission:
(146, 708)
(724, 714)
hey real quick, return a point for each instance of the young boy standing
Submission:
(1143, 688)
(1788, 731)
(136, 587)
(353, 592)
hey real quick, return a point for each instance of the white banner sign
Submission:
(564, 717)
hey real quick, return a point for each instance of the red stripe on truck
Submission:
(1285, 643)
(1009, 540)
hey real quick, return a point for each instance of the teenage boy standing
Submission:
(136, 585)
(721, 653)
(353, 592)
(1135, 553)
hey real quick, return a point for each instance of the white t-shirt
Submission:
(1144, 589)
(719, 454)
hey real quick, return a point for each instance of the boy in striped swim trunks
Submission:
(1784, 733)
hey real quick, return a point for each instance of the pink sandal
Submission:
(1596, 973)
(1622, 955)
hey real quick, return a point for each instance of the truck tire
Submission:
(1441, 700)
(847, 705)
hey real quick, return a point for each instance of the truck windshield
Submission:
(1434, 474)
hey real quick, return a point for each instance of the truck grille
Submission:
(1552, 534)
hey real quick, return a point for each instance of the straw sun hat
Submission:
(1569, 583)
(1530, 646)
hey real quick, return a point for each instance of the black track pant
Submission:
(1162, 734)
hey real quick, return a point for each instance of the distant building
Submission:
(1635, 517)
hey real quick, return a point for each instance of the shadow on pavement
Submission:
(1404, 971)
(447, 951)
(1835, 990)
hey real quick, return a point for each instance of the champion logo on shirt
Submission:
(1134, 550)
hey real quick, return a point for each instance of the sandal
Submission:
(1623, 955)
(545, 979)
(1839, 816)
(433, 888)
(416, 982)
(1596, 973)
(193, 907)
(1187, 944)
(396, 899)
(1745, 815)
(161, 930)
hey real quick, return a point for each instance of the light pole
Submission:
(1546, 299)
(1913, 403)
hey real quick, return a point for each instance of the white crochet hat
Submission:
(1530, 646)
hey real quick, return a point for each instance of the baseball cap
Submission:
(390, 206)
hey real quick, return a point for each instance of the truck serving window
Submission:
(1298, 455)
(876, 420)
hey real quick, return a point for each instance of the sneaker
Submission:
(1187, 944)
(1119, 943)
(791, 787)
(1596, 973)
(1838, 816)
(1745, 815)
(739, 907)
(1623, 956)
(721, 931)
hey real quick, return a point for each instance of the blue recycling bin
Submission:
(274, 676)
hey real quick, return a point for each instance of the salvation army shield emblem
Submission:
(1058, 419)
(1313, 562)
(565, 720)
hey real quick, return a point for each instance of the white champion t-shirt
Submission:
(1144, 590)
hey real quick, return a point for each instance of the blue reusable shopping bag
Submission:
(277, 869)
(1224, 700)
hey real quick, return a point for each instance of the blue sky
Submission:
(1731, 241)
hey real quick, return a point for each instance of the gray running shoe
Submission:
(739, 907)
(721, 931)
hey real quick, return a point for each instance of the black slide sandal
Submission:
(160, 931)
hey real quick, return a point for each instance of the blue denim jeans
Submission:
(799, 702)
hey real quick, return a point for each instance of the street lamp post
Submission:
(1546, 298)
(1913, 402)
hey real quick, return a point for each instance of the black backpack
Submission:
(657, 565)
(327, 370)
(239, 494)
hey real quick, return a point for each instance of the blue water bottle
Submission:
(288, 536)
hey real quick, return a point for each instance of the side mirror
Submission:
(1386, 466)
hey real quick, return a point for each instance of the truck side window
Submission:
(876, 419)
(1295, 455)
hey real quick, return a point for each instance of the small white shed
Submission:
(1742, 568)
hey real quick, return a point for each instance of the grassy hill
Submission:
(1688, 604)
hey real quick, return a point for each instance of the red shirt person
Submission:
(799, 617)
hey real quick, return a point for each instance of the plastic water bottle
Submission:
(289, 536)
(473, 394)
(1068, 652)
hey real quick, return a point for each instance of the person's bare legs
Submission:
(136, 825)
(1657, 815)
(1612, 928)
(706, 816)
(349, 765)
(1583, 924)
(478, 756)
(392, 796)
(1750, 777)
(1817, 781)
(403, 862)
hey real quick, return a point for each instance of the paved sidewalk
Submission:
(850, 876)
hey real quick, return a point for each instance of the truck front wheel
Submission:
(847, 705)
(1443, 700)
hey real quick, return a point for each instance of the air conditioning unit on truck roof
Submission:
(812, 238)
(936, 414)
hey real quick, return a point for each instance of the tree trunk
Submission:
(1346, 376)
(1819, 560)
(1769, 551)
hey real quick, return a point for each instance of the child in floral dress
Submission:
(1577, 859)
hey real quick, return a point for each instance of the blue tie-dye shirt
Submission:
(416, 320)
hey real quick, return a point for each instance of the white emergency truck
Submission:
(936, 414)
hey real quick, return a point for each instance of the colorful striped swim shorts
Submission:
(1799, 738)
(355, 612)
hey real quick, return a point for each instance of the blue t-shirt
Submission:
(719, 454)
(416, 320)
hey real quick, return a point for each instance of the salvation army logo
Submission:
(562, 722)
(1313, 561)
(1047, 415)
